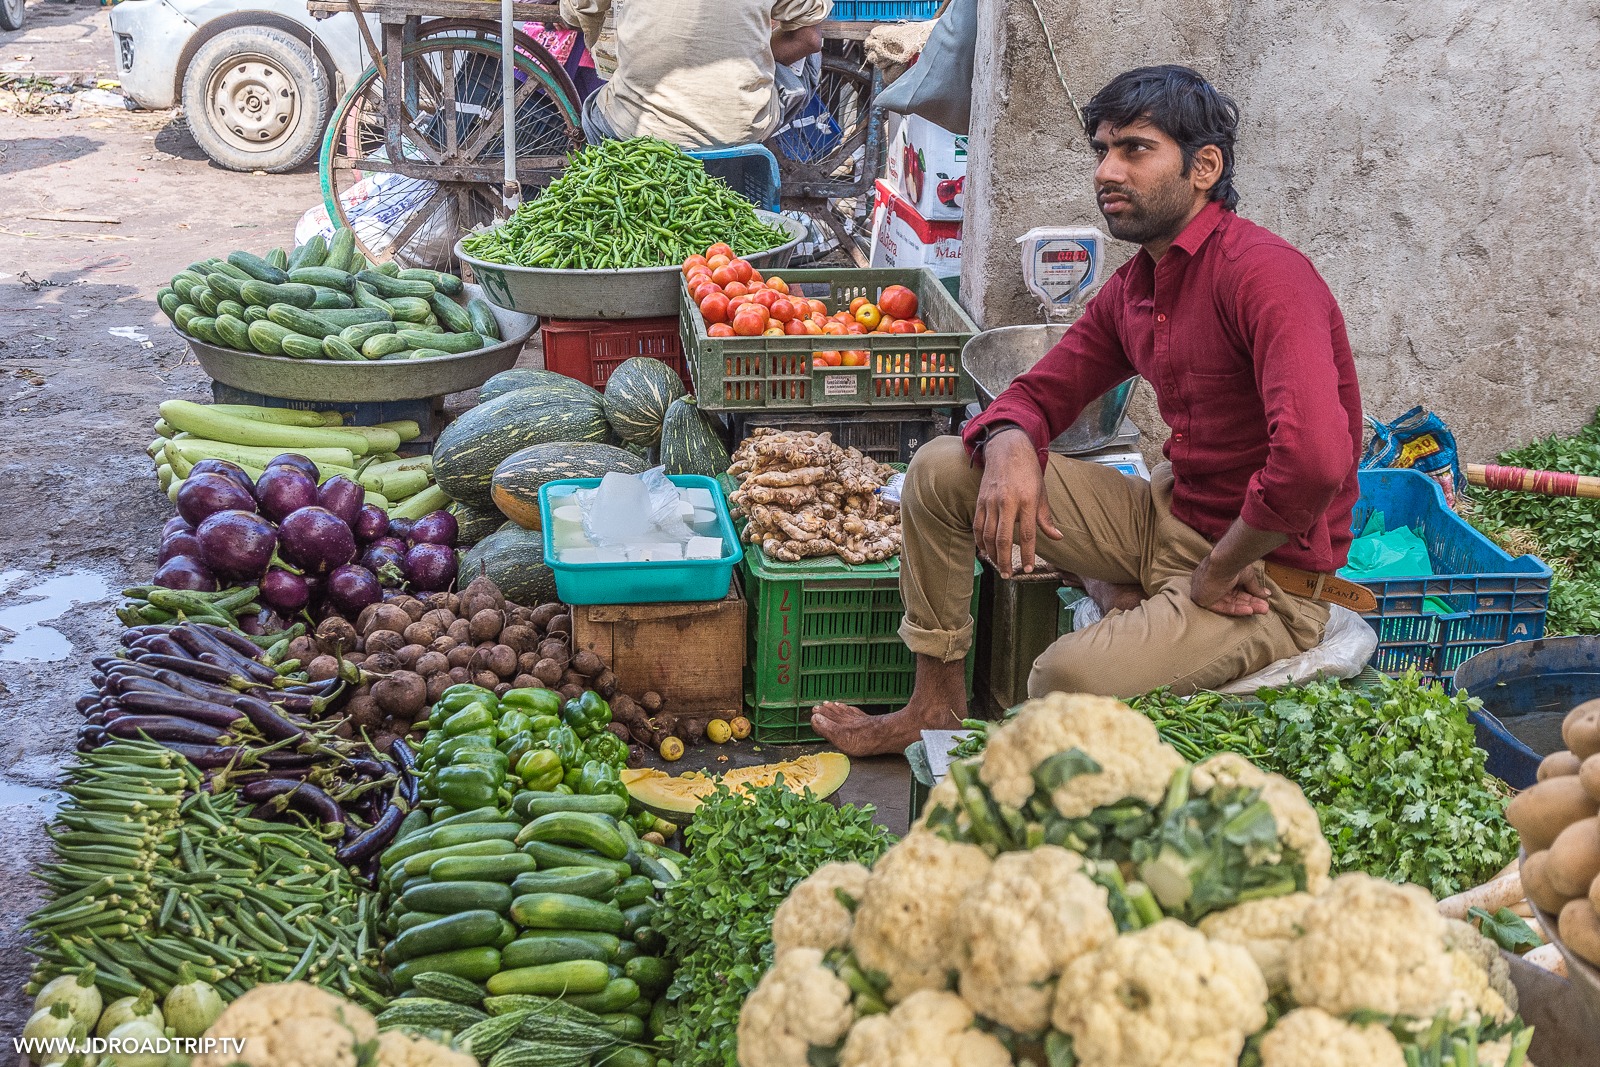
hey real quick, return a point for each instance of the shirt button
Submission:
(1161, 318)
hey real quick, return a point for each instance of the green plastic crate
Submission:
(823, 630)
(917, 370)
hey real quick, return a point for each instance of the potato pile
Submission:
(1559, 820)
(807, 497)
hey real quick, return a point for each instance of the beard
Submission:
(1157, 215)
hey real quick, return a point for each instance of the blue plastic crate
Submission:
(661, 582)
(884, 10)
(750, 170)
(1497, 598)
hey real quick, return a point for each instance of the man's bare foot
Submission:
(1112, 597)
(855, 733)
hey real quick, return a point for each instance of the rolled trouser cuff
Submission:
(944, 645)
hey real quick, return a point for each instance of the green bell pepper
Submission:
(599, 778)
(446, 753)
(572, 778)
(642, 822)
(471, 718)
(541, 726)
(518, 745)
(567, 746)
(482, 757)
(467, 787)
(457, 697)
(587, 715)
(607, 747)
(540, 770)
(511, 722)
(533, 701)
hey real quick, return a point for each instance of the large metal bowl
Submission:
(633, 293)
(995, 358)
(1584, 976)
(403, 379)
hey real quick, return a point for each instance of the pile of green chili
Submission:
(636, 203)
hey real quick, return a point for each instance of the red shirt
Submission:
(1246, 350)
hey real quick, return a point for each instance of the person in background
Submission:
(702, 73)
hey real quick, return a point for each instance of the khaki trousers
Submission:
(1116, 529)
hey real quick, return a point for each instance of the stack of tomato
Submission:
(736, 301)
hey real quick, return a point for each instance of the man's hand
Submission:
(1239, 594)
(1011, 496)
(791, 46)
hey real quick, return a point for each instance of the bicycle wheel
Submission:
(835, 147)
(451, 138)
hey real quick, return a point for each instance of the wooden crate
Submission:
(692, 654)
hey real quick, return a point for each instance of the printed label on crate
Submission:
(839, 385)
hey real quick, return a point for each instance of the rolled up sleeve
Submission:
(798, 14)
(1087, 361)
(588, 15)
(1287, 315)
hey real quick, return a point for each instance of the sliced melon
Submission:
(675, 797)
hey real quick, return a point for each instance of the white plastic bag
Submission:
(659, 518)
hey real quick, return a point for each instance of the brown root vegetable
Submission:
(431, 663)
(304, 649)
(421, 633)
(403, 694)
(1542, 811)
(572, 677)
(561, 624)
(461, 656)
(481, 658)
(482, 588)
(1579, 926)
(358, 658)
(620, 730)
(526, 681)
(654, 838)
(548, 671)
(522, 638)
(460, 676)
(439, 619)
(382, 663)
(322, 668)
(555, 648)
(1581, 729)
(366, 617)
(386, 617)
(651, 702)
(461, 630)
(544, 613)
(626, 713)
(570, 692)
(527, 662)
(410, 654)
(518, 615)
(437, 684)
(636, 756)
(1589, 775)
(587, 664)
(502, 689)
(1559, 765)
(442, 602)
(364, 711)
(690, 730)
(1536, 883)
(335, 635)
(605, 683)
(503, 661)
(486, 625)
(487, 679)
(1575, 858)
(443, 643)
(413, 607)
(386, 641)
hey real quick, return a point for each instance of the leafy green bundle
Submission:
(746, 852)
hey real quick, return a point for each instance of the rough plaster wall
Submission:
(1439, 162)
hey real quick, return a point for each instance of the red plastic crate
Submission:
(590, 349)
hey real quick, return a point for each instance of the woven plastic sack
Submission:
(1420, 440)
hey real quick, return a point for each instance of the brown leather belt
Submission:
(1326, 587)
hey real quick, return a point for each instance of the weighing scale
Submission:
(1060, 264)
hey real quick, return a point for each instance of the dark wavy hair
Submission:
(1181, 104)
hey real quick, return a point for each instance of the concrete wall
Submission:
(1439, 161)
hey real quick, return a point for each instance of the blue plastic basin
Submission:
(1527, 688)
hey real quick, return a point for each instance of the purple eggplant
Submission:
(351, 589)
(387, 563)
(371, 524)
(203, 495)
(282, 490)
(179, 544)
(401, 529)
(284, 592)
(435, 528)
(342, 497)
(186, 572)
(299, 463)
(176, 525)
(232, 471)
(238, 544)
(317, 540)
(430, 568)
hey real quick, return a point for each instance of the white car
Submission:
(257, 78)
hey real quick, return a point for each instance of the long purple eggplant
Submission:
(408, 768)
(308, 798)
(212, 756)
(205, 672)
(161, 645)
(366, 844)
(164, 728)
(242, 645)
(182, 706)
(253, 673)
(273, 726)
(201, 642)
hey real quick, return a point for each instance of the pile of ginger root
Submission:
(804, 497)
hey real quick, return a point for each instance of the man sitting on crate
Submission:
(702, 73)
(1222, 562)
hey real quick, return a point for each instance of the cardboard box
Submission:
(928, 166)
(901, 237)
(691, 653)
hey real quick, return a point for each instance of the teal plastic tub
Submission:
(663, 582)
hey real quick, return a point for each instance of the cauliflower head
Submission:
(1481, 986)
(1163, 995)
(293, 1024)
(799, 1003)
(1032, 915)
(1310, 1037)
(396, 1048)
(1370, 944)
(946, 795)
(905, 924)
(1263, 928)
(1134, 762)
(812, 916)
(1299, 827)
(927, 1029)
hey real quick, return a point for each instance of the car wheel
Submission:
(11, 13)
(256, 99)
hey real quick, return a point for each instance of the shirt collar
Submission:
(1200, 227)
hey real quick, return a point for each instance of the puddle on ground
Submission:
(31, 601)
(13, 794)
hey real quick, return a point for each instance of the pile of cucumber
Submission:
(323, 301)
(543, 909)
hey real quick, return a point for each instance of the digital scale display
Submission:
(1064, 255)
